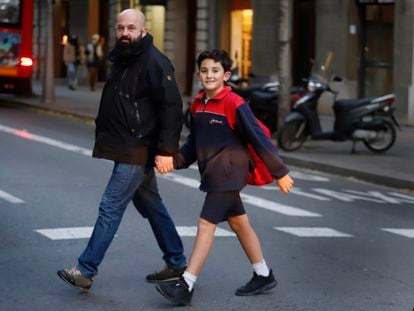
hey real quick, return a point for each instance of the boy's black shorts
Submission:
(219, 206)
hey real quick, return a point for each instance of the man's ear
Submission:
(144, 31)
(227, 75)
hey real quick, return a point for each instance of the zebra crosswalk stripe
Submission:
(313, 232)
(10, 198)
(73, 233)
(408, 233)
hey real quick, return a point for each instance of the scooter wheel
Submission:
(292, 135)
(187, 118)
(384, 140)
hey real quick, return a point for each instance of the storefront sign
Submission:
(153, 2)
(376, 1)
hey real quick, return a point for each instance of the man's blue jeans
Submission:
(131, 182)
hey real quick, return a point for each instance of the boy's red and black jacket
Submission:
(219, 148)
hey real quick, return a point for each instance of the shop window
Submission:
(241, 40)
(155, 15)
(154, 11)
(377, 54)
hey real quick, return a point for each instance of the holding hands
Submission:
(285, 183)
(164, 164)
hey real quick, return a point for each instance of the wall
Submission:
(404, 60)
(175, 45)
(265, 39)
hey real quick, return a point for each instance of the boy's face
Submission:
(212, 76)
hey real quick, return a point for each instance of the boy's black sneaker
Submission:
(75, 278)
(257, 285)
(165, 275)
(176, 292)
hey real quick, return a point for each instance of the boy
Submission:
(220, 149)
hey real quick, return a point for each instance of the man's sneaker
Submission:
(176, 292)
(75, 278)
(165, 275)
(257, 285)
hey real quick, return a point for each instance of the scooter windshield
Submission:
(321, 68)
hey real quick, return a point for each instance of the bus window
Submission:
(16, 57)
(10, 12)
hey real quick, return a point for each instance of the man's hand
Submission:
(164, 164)
(285, 183)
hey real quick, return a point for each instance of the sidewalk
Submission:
(395, 168)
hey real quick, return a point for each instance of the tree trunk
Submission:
(284, 59)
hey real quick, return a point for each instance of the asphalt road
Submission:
(333, 244)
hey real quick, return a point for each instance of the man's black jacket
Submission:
(140, 113)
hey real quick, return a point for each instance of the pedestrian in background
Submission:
(72, 59)
(222, 126)
(139, 123)
(94, 56)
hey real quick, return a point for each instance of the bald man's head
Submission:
(136, 15)
(130, 27)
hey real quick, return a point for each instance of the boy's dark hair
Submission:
(218, 56)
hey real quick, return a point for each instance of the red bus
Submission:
(16, 60)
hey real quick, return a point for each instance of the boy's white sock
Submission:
(190, 279)
(261, 268)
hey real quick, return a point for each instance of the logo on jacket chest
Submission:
(215, 121)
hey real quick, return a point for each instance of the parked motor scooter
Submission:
(262, 99)
(370, 120)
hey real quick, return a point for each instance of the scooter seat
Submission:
(262, 96)
(349, 104)
(246, 92)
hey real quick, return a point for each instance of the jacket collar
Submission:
(117, 56)
(202, 95)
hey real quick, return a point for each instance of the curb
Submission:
(51, 109)
(346, 172)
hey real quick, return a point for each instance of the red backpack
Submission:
(260, 175)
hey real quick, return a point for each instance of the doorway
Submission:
(303, 40)
(376, 48)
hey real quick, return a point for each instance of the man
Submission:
(94, 56)
(138, 123)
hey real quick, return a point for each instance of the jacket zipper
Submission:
(137, 115)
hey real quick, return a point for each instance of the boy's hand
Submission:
(164, 164)
(285, 183)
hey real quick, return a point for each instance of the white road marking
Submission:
(297, 191)
(376, 195)
(293, 174)
(192, 231)
(276, 207)
(314, 232)
(67, 233)
(346, 197)
(46, 140)
(10, 198)
(409, 233)
(310, 177)
(86, 232)
(249, 199)
(403, 197)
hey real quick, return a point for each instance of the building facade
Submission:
(370, 41)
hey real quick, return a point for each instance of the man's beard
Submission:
(128, 49)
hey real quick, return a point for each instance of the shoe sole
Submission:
(170, 298)
(83, 289)
(261, 290)
(164, 281)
